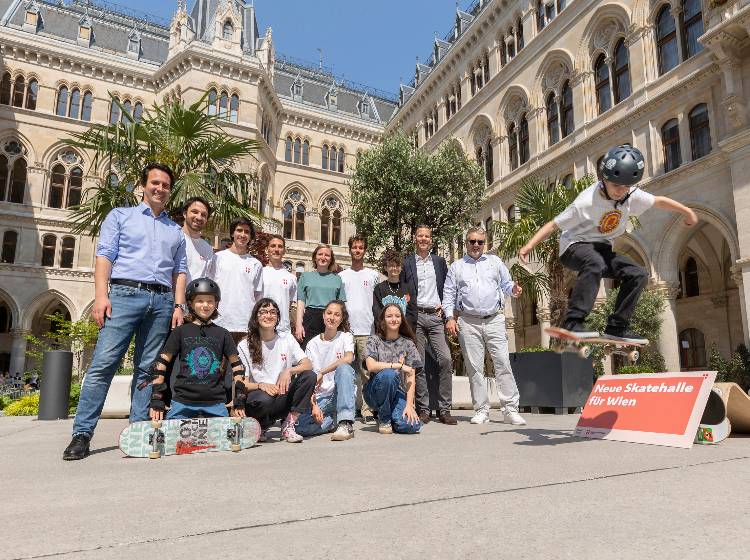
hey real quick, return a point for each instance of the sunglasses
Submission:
(479, 242)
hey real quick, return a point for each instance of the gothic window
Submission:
(134, 44)
(479, 154)
(488, 227)
(19, 90)
(297, 150)
(306, 152)
(489, 174)
(227, 31)
(13, 172)
(561, 5)
(523, 140)
(330, 221)
(692, 27)
(670, 139)
(213, 97)
(700, 131)
(512, 146)
(332, 158)
(622, 71)
(32, 94)
(549, 10)
(692, 349)
(511, 44)
(5, 325)
(66, 181)
(75, 103)
(503, 53)
(138, 112)
(223, 105)
(288, 149)
(234, 108)
(62, 102)
(692, 284)
(88, 101)
(5, 86)
(68, 252)
(294, 216)
(540, 19)
(114, 111)
(512, 214)
(49, 247)
(10, 239)
(519, 34)
(567, 181)
(553, 121)
(567, 123)
(341, 160)
(603, 93)
(325, 156)
(666, 40)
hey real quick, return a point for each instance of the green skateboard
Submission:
(183, 437)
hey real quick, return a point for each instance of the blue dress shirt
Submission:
(142, 247)
(476, 287)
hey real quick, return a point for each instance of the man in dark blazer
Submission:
(427, 272)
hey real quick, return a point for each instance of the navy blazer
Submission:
(409, 272)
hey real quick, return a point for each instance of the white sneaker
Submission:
(343, 432)
(512, 417)
(481, 417)
(288, 431)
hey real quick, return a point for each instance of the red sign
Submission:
(657, 408)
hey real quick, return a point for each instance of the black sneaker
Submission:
(78, 448)
(580, 330)
(624, 335)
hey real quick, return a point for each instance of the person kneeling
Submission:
(199, 385)
(331, 354)
(393, 360)
(279, 380)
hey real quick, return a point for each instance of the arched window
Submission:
(692, 283)
(5, 323)
(489, 172)
(622, 71)
(692, 349)
(512, 214)
(234, 108)
(299, 223)
(75, 187)
(325, 219)
(288, 149)
(330, 221)
(17, 187)
(88, 102)
(297, 150)
(512, 146)
(127, 111)
(32, 94)
(332, 159)
(700, 131)
(75, 104)
(62, 102)
(519, 34)
(114, 111)
(666, 40)
(19, 91)
(5, 86)
(138, 112)
(57, 187)
(488, 227)
(306, 152)
(567, 122)
(341, 160)
(49, 246)
(511, 43)
(540, 19)
(325, 156)
(603, 94)
(692, 27)
(567, 181)
(288, 213)
(523, 140)
(10, 239)
(561, 5)
(670, 139)
(228, 31)
(68, 252)
(294, 216)
(66, 181)
(553, 120)
(213, 97)
(224, 105)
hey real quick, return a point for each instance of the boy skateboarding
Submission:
(597, 216)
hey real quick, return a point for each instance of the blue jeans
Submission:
(146, 314)
(336, 406)
(180, 410)
(383, 393)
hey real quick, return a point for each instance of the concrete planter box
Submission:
(548, 379)
(117, 404)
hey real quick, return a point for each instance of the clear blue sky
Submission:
(373, 42)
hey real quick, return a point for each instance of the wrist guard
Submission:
(240, 395)
(157, 396)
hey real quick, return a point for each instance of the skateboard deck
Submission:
(570, 342)
(738, 406)
(183, 437)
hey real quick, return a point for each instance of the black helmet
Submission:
(202, 286)
(623, 165)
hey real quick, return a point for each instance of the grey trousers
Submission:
(430, 330)
(363, 376)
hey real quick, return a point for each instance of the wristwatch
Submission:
(181, 306)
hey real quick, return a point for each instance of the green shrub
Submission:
(25, 406)
(75, 393)
(736, 370)
(4, 401)
(636, 368)
(536, 348)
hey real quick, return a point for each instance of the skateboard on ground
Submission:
(567, 341)
(153, 439)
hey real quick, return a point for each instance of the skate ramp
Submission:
(738, 406)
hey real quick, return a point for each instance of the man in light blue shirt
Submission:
(475, 288)
(139, 282)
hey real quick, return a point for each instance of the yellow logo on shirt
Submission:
(610, 221)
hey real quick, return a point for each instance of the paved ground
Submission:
(491, 491)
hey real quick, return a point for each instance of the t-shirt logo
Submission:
(283, 357)
(248, 269)
(365, 283)
(339, 355)
(285, 281)
(610, 221)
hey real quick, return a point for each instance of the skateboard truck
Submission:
(234, 434)
(155, 440)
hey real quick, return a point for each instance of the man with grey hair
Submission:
(476, 287)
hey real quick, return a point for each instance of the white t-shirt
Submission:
(281, 286)
(593, 218)
(278, 354)
(200, 258)
(359, 285)
(323, 353)
(240, 278)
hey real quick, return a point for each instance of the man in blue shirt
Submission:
(139, 280)
(476, 287)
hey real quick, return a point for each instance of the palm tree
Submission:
(538, 204)
(202, 155)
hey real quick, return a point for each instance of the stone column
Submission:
(18, 351)
(510, 328)
(669, 343)
(741, 278)
(676, 11)
(543, 316)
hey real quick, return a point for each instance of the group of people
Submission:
(355, 345)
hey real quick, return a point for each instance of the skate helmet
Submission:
(202, 286)
(623, 165)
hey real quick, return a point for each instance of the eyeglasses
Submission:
(479, 242)
(268, 312)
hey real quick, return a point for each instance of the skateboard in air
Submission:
(153, 439)
(567, 341)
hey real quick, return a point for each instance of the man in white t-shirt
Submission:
(359, 284)
(278, 283)
(240, 277)
(200, 255)
(597, 216)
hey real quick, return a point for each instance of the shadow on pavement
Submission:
(538, 437)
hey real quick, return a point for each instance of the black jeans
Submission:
(312, 322)
(594, 261)
(267, 409)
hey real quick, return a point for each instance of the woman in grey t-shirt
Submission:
(392, 360)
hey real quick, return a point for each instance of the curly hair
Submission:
(390, 256)
(344, 326)
(404, 329)
(254, 343)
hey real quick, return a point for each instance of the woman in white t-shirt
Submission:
(278, 379)
(331, 354)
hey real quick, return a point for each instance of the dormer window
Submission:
(84, 31)
(332, 100)
(297, 90)
(364, 109)
(134, 44)
(32, 18)
(228, 31)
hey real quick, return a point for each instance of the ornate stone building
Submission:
(58, 64)
(544, 87)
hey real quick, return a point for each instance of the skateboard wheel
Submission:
(633, 356)
(154, 454)
(584, 352)
(235, 448)
(156, 424)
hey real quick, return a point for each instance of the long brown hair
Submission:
(404, 329)
(344, 326)
(331, 265)
(254, 343)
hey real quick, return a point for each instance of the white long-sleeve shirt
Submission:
(476, 287)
